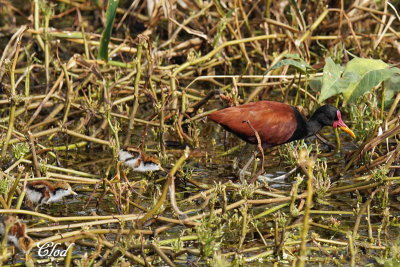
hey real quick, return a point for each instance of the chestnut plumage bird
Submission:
(276, 123)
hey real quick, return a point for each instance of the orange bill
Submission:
(347, 130)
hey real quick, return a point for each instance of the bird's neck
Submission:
(301, 129)
(313, 127)
(304, 128)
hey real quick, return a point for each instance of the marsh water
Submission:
(209, 166)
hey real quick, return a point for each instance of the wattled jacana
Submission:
(276, 123)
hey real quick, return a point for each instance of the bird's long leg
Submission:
(255, 177)
(260, 147)
(243, 171)
(266, 179)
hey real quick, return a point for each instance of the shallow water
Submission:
(207, 168)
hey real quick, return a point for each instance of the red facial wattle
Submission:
(340, 123)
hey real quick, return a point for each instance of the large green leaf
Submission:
(330, 79)
(363, 65)
(334, 80)
(367, 82)
(359, 76)
(371, 72)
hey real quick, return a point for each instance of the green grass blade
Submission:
(105, 37)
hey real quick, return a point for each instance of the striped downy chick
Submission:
(16, 233)
(138, 161)
(41, 192)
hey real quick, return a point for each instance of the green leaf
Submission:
(360, 76)
(293, 56)
(301, 65)
(105, 37)
(367, 82)
(368, 77)
(230, 12)
(316, 84)
(364, 65)
(291, 60)
(330, 79)
(392, 86)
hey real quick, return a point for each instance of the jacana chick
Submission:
(41, 192)
(16, 233)
(138, 161)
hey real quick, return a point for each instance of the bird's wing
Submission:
(275, 122)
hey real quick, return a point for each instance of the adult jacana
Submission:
(276, 123)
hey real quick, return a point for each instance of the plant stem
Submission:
(304, 232)
(136, 102)
(11, 119)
